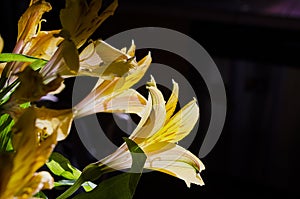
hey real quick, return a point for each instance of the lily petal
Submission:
(39, 181)
(172, 102)
(49, 121)
(156, 119)
(131, 50)
(30, 20)
(128, 101)
(101, 59)
(174, 160)
(43, 45)
(28, 148)
(134, 75)
(179, 126)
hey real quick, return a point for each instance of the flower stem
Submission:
(72, 189)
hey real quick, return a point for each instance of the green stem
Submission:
(72, 189)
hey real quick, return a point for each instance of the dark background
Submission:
(256, 46)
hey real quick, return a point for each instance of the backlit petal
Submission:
(101, 59)
(156, 119)
(128, 101)
(172, 102)
(174, 160)
(179, 126)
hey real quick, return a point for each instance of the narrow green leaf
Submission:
(10, 57)
(36, 63)
(6, 123)
(6, 92)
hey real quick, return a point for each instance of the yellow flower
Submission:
(31, 41)
(19, 178)
(112, 94)
(80, 19)
(156, 135)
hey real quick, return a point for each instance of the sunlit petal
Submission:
(175, 160)
(172, 101)
(180, 125)
(128, 101)
(156, 119)
(101, 59)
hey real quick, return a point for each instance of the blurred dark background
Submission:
(256, 46)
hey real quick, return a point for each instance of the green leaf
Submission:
(6, 123)
(121, 186)
(36, 63)
(61, 166)
(10, 57)
(7, 91)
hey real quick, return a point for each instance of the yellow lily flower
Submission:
(30, 20)
(31, 41)
(103, 96)
(19, 178)
(111, 95)
(80, 19)
(156, 135)
(108, 96)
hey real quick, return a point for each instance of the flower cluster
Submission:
(38, 66)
